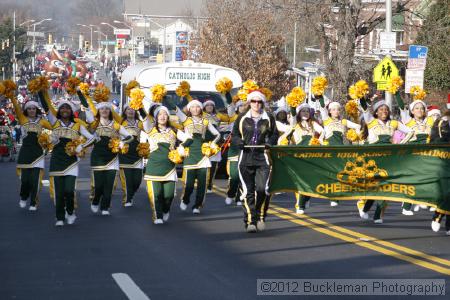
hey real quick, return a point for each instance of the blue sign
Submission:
(416, 51)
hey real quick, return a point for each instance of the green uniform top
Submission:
(159, 166)
(132, 159)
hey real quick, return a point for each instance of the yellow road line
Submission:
(354, 237)
(366, 237)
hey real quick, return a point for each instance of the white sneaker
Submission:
(32, 208)
(59, 223)
(333, 203)
(300, 211)
(23, 203)
(407, 212)
(196, 211)
(423, 206)
(158, 222)
(238, 203)
(435, 226)
(432, 209)
(166, 217)
(261, 225)
(183, 206)
(228, 201)
(251, 228)
(378, 221)
(448, 232)
(416, 208)
(94, 208)
(105, 213)
(71, 219)
(209, 191)
(363, 215)
(128, 204)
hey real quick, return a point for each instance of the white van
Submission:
(201, 77)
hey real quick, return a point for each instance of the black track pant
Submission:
(254, 180)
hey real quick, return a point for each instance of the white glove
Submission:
(121, 144)
(78, 149)
(97, 138)
(181, 151)
(55, 139)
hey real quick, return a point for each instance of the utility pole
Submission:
(294, 60)
(14, 47)
(388, 96)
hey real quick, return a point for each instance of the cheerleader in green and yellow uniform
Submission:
(30, 162)
(233, 161)
(67, 132)
(214, 118)
(302, 134)
(381, 130)
(334, 127)
(160, 172)
(131, 164)
(416, 119)
(196, 165)
(112, 138)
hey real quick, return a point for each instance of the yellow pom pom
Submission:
(314, 142)
(296, 97)
(359, 90)
(124, 149)
(114, 144)
(250, 85)
(2, 89)
(84, 88)
(72, 84)
(175, 157)
(143, 150)
(242, 95)
(210, 149)
(417, 92)
(267, 92)
(224, 85)
(284, 142)
(45, 141)
(394, 85)
(136, 99)
(183, 89)
(38, 84)
(319, 85)
(71, 147)
(101, 93)
(130, 86)
(351, 108)
(352, 136)
(10, 88)
(159, 91)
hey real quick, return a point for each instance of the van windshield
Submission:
(172, 99)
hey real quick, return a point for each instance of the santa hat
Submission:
(31, 103)
(302, 106)
(415, 102)
(433, 110)
(159, 109)
(333, 104)
(64, 101)
(448, 101)
(256, 95)
(209, 102)
(193, 103)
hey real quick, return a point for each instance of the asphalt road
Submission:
(208, 256)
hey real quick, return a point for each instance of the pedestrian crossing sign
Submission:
(384, 72)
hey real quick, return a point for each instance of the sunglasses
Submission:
(255, 101)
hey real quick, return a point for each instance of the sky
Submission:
(163, 7)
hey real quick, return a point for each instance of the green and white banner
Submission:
(418, 174)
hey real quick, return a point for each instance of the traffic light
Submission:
(87, 46)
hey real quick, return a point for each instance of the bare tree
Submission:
(241, 35)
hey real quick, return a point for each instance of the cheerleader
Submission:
(306, 128)
(257, 129)
(232, 163)
(334, 127)
(196, 166)
(416, 119)
(214, 118)
(380, 131)
(63, 165)
(160, 172)
(104, 159)
(131, 164)
(30, 162)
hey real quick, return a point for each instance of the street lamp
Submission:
(33, 45)
(106, 41)
(133, 53)
(90, 27)
(23, 23)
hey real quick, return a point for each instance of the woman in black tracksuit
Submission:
(254, 128)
